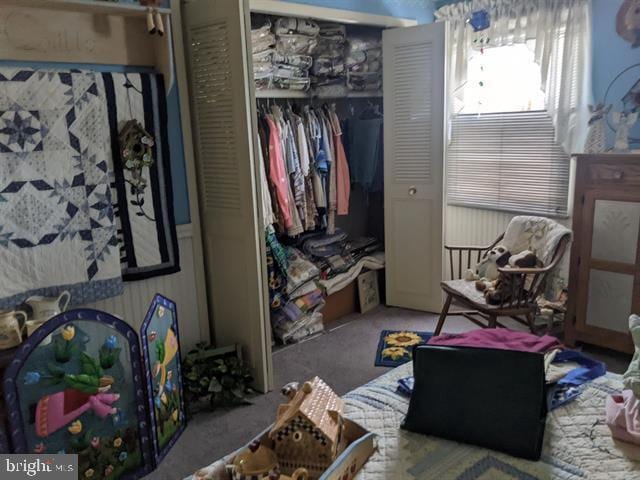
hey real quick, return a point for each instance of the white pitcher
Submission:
(11, 325)
(46, 307)
(43, 309)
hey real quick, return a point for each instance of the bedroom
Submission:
(295, 180)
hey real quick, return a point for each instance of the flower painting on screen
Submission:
(161, 349)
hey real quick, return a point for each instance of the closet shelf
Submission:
(86, 6)
(297, 94)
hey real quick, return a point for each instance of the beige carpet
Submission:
(343, 356)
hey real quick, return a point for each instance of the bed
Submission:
(577, 442)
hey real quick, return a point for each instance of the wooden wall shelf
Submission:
(84, 32)
(86, 6)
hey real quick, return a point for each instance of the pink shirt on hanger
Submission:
(278, 172)
(343, 180)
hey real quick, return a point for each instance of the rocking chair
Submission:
(521, 302)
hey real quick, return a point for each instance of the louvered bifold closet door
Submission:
(413, 142)
(222, 121)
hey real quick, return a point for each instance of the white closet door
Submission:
(413, 164)
(223, 125)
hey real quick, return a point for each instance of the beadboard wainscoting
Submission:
(180, 287)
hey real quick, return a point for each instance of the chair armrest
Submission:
(472, 248)
(526, 271)
(475, 248)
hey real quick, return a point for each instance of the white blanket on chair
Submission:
(541, 236)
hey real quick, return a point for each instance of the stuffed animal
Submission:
(500, 290)
(154, 19)
(524, 259)
(487, 269)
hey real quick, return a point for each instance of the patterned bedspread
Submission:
(577, 441)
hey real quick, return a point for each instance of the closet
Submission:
(229, 109)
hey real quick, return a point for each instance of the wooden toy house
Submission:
(308, 432)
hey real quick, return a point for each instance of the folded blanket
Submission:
(541, 236)
(500, 338)
(337, 283)
(58, 229)
(299, 270)
(325, 245)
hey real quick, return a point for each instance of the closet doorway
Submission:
(250, 76)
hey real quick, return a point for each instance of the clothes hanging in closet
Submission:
(306, 168)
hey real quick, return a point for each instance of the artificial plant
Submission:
(215, 377)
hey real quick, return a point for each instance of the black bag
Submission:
(491, 398)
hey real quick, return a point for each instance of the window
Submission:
(503, 154)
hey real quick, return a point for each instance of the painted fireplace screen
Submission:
(82, 384)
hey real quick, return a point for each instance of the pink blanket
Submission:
(500, 338)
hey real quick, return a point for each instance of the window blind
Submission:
(507, 161)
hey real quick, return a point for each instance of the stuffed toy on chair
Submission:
(501, 289)
(487, 269)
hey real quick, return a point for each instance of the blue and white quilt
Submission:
(57, 223)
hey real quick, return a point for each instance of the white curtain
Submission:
(559, 32)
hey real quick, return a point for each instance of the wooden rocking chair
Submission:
(521, 305)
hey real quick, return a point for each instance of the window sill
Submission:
(493, 208)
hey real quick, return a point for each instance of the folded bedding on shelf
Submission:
(289, 332)
(325, 245)
(58, 229)
(364, 63)
(337, 283)
(303, 26)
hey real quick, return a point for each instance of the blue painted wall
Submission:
(420, 10)
(611, 54)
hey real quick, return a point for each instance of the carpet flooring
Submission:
(343, 356)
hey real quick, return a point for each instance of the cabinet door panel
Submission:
(615, 231)
(609, 301)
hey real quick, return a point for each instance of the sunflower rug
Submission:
(396, 346)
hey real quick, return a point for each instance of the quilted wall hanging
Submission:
(76, 386)
(144, 205)
(58, 229)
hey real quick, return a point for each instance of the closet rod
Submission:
(308, 95)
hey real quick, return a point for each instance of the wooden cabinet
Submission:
(604, 281)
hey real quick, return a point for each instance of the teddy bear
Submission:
(500, 290)
(487, 269)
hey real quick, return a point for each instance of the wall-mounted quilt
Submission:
(70, 216)
(144, 210)
(57, 225)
